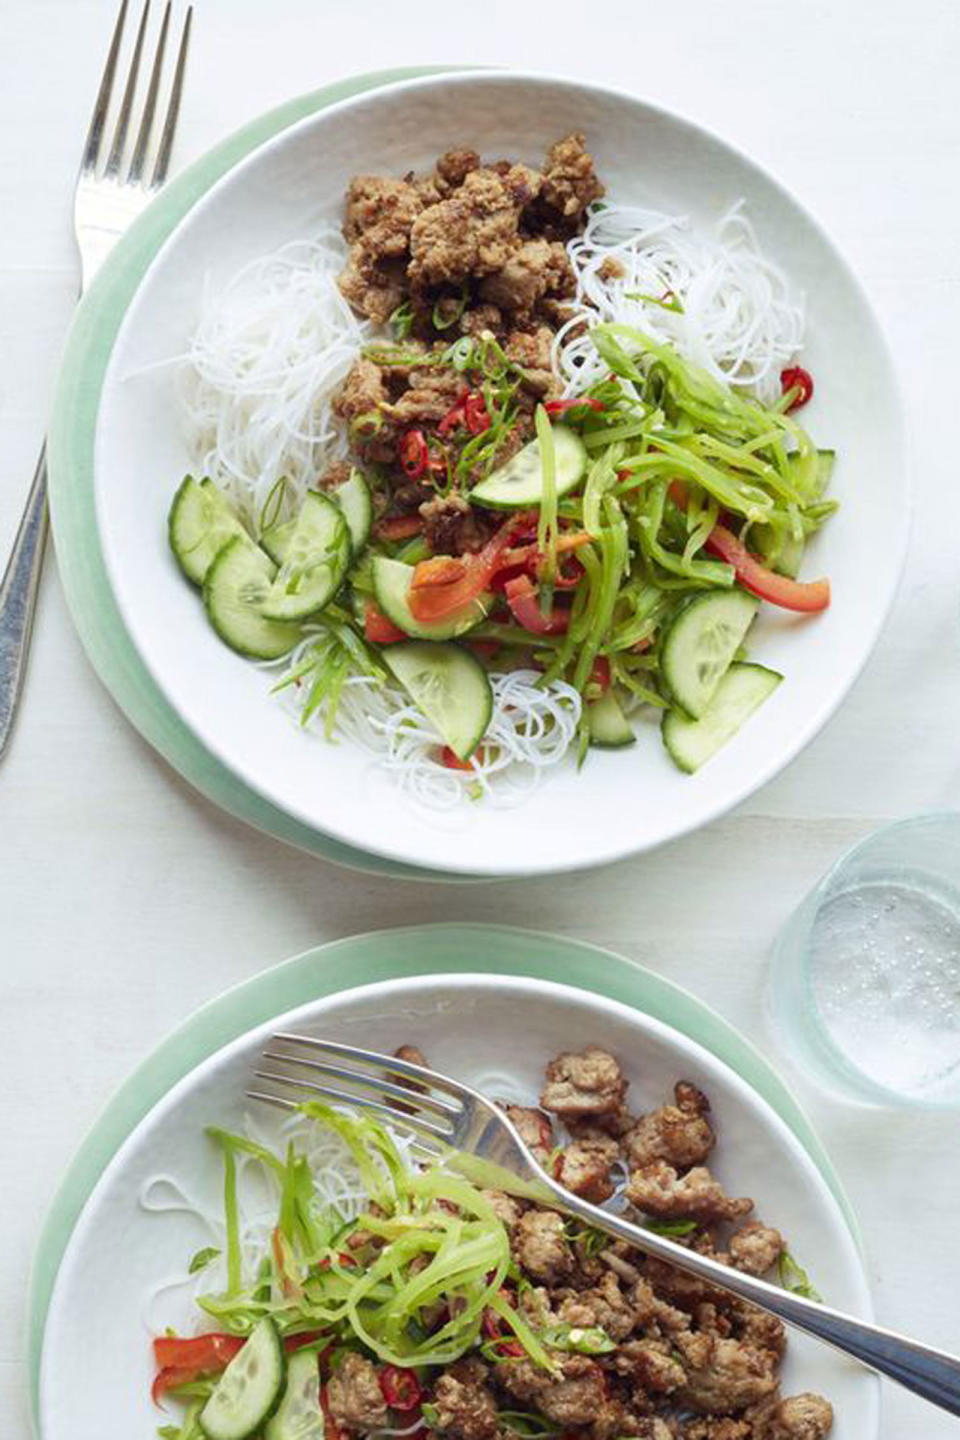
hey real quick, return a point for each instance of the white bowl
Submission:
(494, 1032)
(622, 802)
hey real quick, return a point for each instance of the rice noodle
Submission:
(739, 320)
(531, 728)
(272, 347)
(265, 360)
(339, 1188)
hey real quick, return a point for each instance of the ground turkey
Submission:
(657, 1189)
(541, 1247)
(678, 1133)
(583, 1085)
(472, 233)
(354, 1395)
(755, 1248)
(723, 1376)
(572, 1398)
(464, 1403)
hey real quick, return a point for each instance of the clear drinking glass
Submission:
(864, 987)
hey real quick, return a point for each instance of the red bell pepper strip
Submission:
(212, 1351)
(182, 1360)
(378, 629)
(525, 608)
(796, 378)
(185, 1359)
(805, 596)
(560, 407)
(400, 1388)
(446, 583)
(414, 453)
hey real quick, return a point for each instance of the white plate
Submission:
(623, 801)
(493, 1032)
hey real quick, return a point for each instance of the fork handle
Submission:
(931, 1373)
(18, 597)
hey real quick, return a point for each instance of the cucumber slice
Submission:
(518, 484)
(700, 644)
(785, 556)
(742, 690)
(200, 523)
(449, 686)
(608, 726)
(248, 1390)
(299, 1416)
(391, 590)
(354, 499)
(276, 540)
(822, 470)
(236, 586)
(315, 561)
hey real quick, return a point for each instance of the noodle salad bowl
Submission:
(245, 288)
(160, 1201)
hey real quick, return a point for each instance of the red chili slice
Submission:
(475, 413)
(414, 453)
(400, 1388)
(796, 378)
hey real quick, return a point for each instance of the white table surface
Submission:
(126, 900)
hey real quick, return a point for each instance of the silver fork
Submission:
(452, 1123)
(110, 193)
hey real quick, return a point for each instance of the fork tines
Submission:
(134, 173)
(300, 1067)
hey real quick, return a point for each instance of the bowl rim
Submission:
(492, 866)
(400, 987)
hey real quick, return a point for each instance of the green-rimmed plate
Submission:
(443, 951)
(288, 185)
(70, 457)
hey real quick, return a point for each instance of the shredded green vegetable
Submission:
(429, 1239)
(672, 454)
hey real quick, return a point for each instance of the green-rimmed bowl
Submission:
(441, 1010)
(621, 802)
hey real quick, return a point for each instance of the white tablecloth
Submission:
(126, 900)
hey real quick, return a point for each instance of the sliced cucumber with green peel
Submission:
(249, 1390)
(449, 686)
(822, 471)
(742, 690)
(391, 590)
(315, 561)
(700, 644)
(237, 583)
(356, 505)
(200, 523)
(276, 540)
(608, 727)
(784, 557)
(518, 485)
(299, 1416)
(354, 499)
